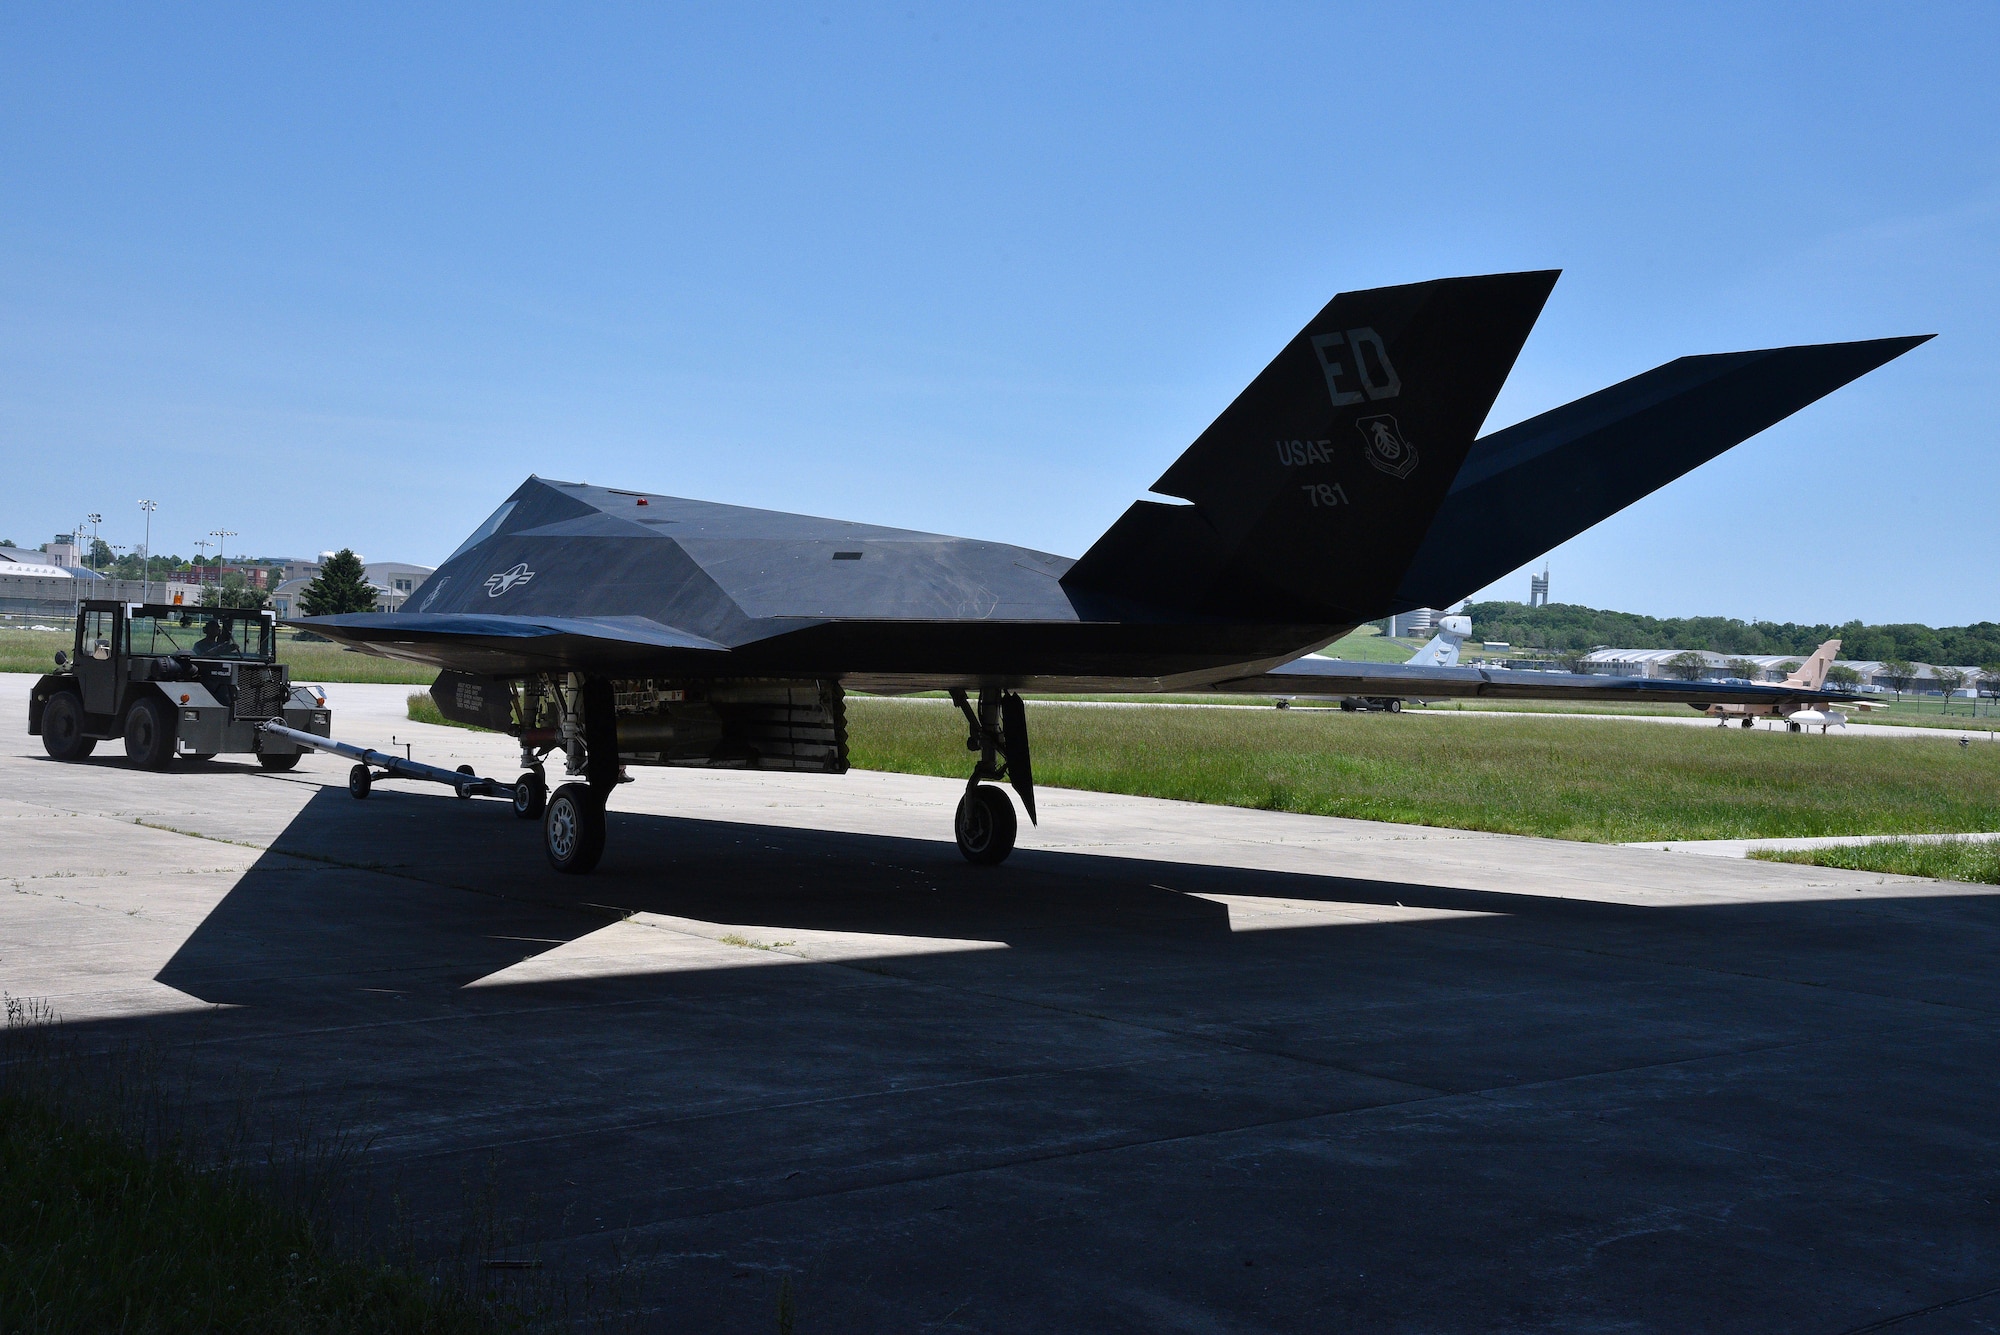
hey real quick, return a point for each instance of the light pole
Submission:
(222, 537)
(146, 563)
(95, 520)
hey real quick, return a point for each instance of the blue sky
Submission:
(344, 277)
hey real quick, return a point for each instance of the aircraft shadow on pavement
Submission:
(410, 892)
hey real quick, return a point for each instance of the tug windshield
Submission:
(205, 632)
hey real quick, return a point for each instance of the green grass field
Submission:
(1369, 645)
(1568, 779)
(34, 651)
(1941, 859)
(422, 709)
(96, 1234)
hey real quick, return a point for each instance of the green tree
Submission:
(1949, 680)
(235, 591)
(341, 586)
(6, 542)
(1839, 675)
(1687, 665)
(1900, 673)
(1744, 668)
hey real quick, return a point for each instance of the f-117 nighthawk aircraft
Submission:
(1346, 483)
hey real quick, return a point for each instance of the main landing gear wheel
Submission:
(1395, 706)
(531, 795)
(359, 780)
(149, 733)
(269, 762)
(1749, 722)
(462, 791)
(985, 825)
(573, 829)
(62, 728)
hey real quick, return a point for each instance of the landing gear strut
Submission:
(998, 730)
(573, 816)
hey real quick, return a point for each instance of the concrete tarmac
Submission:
(1171, 1068)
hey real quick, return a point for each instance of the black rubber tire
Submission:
(1347, 706)
(1792, 727)
(359, 780)
(62, 728)
(531, 795)
(1749, 722)
(460, 790)
(573, 829)
(199, 756)
(1395, 706)
(269, 762)
(149, 733)
(985, 825)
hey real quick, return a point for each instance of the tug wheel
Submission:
(149, 733)
(359, 781)
(461, 789)
(573, 829)
(531, 795)
(985, 826)
(62, 728)
(269, 762)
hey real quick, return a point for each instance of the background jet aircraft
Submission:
(1811, 675)
(1441, 650)
(1346, 483)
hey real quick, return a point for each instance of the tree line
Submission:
(1561, 627)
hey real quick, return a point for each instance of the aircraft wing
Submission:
(1336, 677)
(503, 645)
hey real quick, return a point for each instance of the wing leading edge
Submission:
(499, 645)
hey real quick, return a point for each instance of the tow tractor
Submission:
(174, 683)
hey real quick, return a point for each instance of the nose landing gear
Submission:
(984, 824)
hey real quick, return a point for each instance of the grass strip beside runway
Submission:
(96, 1234)
(1567, 779)
(1940, 859)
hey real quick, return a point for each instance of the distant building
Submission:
(1538, 589)
(394, 582)
(1418, 621)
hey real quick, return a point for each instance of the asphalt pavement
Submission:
(1171, 1068)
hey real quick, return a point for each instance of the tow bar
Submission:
(361, 778)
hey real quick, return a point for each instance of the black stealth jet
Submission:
(1348, 482)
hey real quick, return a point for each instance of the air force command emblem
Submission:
(1387, 449)
(507, 579)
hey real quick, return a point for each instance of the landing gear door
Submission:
(97, 660)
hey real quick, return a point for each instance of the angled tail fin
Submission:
(1442, 651)
(1812, 673)
(1309, 495)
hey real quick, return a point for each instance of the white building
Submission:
(394, 582)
